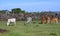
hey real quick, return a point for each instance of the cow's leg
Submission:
(15, 23)
(42, 21)
(30, 21)
(27, 22)
(8, 23)
(51, 22)
(48, 21)
(56, 22)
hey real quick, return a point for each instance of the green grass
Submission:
(32, 29)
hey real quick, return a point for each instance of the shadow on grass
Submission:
(53, 34)
(34, 22)
(37, 25)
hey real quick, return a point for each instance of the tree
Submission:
(16, 10)
(23, 11)
(4, 11)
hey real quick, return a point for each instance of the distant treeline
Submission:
(22, 14)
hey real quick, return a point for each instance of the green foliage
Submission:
(2, 11)
(17, 11)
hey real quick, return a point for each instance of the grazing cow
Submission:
(29, 19)
(11, 20)
(55, 19)
(43, 20)
(47, 19)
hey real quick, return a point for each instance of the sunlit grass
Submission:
(32, 29)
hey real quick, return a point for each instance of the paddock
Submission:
(30, 30)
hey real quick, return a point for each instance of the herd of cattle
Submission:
(46, 19)
(49, 20)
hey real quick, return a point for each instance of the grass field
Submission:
(32, 29)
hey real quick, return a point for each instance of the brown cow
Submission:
(43, 19)
(55, 19)
(47, 19)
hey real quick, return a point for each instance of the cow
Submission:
(55, 19)
(47, 19)
(11, 20)
(43, 20)
(29, 19)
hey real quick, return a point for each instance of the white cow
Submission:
(29, 19)
(11, 20)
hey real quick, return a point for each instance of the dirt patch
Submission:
(3, 30)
